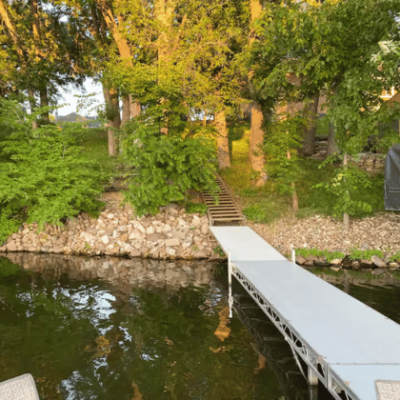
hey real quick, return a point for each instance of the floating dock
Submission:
(351, 348)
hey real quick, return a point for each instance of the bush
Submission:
(357, 254)
(166, 166)
(254, 213)
(43, 176)
(329, 256)
(192, 208)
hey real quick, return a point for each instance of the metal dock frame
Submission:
(317, 369)
(345, 344)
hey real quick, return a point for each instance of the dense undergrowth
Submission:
(44, 177)
(267, 204)
(166, 166)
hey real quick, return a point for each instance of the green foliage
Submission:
(249, 192)
(94, 143)
(327, 255)
(165, 166)
(43, 176)
(254, 213)
(322, 126)
(191, 208)
(338, 48)
(395, 257)
(219, 251)
(345, 188)
(334, 46)
(285, 135)
(357, 254)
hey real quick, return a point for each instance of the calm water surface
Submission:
(144, 330)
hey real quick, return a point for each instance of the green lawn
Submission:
(323, 127)
(95, 146)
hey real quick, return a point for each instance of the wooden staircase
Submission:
(225, 210)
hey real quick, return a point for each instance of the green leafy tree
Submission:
(43, 176)
(337, 47)
(166, 166)
(285, 134)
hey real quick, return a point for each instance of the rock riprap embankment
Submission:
(172, 234)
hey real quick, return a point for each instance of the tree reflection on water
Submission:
(126, 329)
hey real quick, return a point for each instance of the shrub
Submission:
(356, 254)
(395, 257)
(166, 166)
(191, 208)
(329, 256)
(346, 187)
(43, 176)
(254, 213)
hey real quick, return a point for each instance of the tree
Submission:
(46, 52)
(339, 47)
(256, 155)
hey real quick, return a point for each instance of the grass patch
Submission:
(329, 256)
(395, 257)
(95, 147)
(356, 254)
(322, 126)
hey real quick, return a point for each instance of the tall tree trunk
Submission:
(255, 9)
(135, 108)
(11, 29)
(257, 159)
(115, 105)
(121, 42)
(346, 218)
(310, 131)
(256, 155)
(44, 102)
(126, 116)
(126, 109)
(32, 104)
(111, 21)
(114, 119)
(295, 199)
(331, 148)
(35, 23)
(222, 140)
(163, 12)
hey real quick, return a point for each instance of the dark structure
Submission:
(392, 179)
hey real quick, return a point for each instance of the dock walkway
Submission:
(347, 345)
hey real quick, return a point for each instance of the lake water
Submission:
(145, 330)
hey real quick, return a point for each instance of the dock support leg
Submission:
(312, 377)
(314, 392)
(230, 298)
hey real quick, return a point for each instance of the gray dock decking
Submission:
(344, 343)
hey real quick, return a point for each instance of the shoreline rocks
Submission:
(377, 232)
(376, 265)
(171, 234)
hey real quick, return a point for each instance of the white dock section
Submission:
(345, 343)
